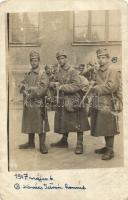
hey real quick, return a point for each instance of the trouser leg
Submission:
(109, 154)
(31, 142)
(32, 139)
(109, 142)
(79, 147)
(65, 137)
(63, 142)
(42, 139)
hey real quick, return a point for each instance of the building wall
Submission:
(56, 32)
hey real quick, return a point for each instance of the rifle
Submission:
(57, 96)
(115, 113)
(45, 112)
(87, 93)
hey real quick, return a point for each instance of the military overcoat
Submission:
(67, 120)
(104, 121)
(34, 88)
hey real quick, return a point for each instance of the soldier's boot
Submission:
(79, 147)
(109, 154)
(62, 143)
(101, 150)
(43, 148)
(30, 144)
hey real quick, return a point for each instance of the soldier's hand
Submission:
(31, 89)
(57, 85)
(25, 92)
(28, 96)
(52, 84)
(96, 89)
(61, 88)
(93, 83)
(84, 89)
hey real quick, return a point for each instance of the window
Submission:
(24, 29)
(97, 27)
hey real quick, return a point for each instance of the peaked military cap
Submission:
(61, 53)
(34, 54)
(102, 52)
(81, 65)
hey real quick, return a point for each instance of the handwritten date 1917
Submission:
(38, 177)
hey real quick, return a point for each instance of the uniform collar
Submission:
(35, 70)
(104, 68)
(66, 67)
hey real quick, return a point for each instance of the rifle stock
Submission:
(87, 93)
(116, 114)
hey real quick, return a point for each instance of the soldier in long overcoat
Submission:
(34, 88)
(68, 117)
(104, 121)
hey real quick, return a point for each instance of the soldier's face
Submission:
(102, 60)
(62, 60)
(81, 68)
(34, 63)
(48, 70)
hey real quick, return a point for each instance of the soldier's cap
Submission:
(61, 53)
(34, 54)
(81, 65)
(47, 67)
(102, 52)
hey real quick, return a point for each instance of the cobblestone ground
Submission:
(57, 158)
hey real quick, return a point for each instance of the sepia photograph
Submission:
(64, 90)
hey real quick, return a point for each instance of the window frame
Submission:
(99, 43)
(21, 44)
